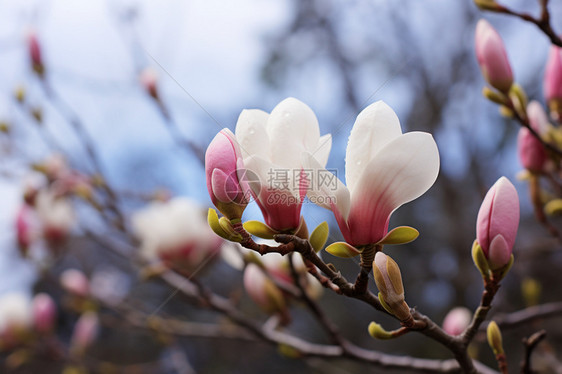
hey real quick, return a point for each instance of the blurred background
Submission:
(211, 59)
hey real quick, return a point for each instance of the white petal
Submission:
(251, 133)
(401, 172)
(292, 128)
(322, 151)
(271, 176)
(326, 187)
(375, 126)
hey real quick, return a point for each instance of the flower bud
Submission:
(532, 153)
(492, 57)
(457, 320)
(85, 332)
(222, 161)
(531, 290)
(56, 215)
(497, 223)
(553, 82)
(389, 282)
(44, 313)
(75, 282)
(148, 79)
(263, 291)
(35, 53)
(494, 337)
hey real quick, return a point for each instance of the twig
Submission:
(530, 344)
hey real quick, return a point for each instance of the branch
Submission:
(543, 23)
(527, 315)
(530, 344)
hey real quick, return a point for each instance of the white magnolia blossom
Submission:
(174, 229)
(383, 170)
(272, 146)
(55, 213)
(15, 314)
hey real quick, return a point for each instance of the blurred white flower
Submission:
(177, 233)
(15, 318)
(56, 215)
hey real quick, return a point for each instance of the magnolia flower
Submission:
(383, 169)
(223, 159)
(177, 233)
(15, 319)
(532, 153)
(44, 313)
(56, 215)
(457, 320)
(272, 146)
(553, 81)
(497, 223)
(492, 57)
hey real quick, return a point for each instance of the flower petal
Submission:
(322, 151)
(326, 190)
(401, 172)
(251, 133)
(375, 126)
(293, 128)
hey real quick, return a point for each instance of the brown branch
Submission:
(527, 315)
(543, 23)
(530, 344)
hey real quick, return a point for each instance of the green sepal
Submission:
(503, 271)
(490, 5)
(343, 250)
(226, 225)
(480, 260)
(259, 229)
(495, 96)
(384, 304)
(553, 207)
(519, 98)
(213, 220)
(319, 236)
(378, 332)
(400, 235)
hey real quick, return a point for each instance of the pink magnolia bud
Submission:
(553, 82)
(222, 161)
(148, 78)
(24, 230)
(497, 223)
(44, 313)
(532, 153)
(85, 332)
(457, 320)
(75, 282)
(492, 57)
(263, 291)
(35, 52)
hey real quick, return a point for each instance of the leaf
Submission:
(259, 229)
(400, 235)
(343, 250)
(319, 236)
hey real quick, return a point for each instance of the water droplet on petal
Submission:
(252, 131)
(358, 162)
